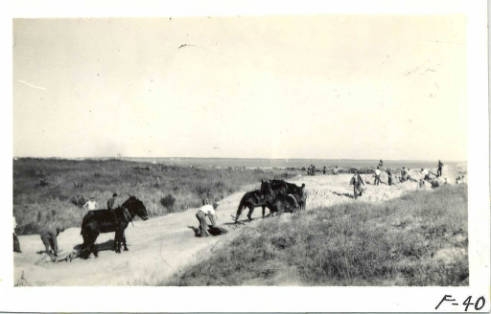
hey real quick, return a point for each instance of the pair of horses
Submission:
(114, 220)
(277, 195)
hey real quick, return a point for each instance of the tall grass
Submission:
(419, 239)
(52, 190)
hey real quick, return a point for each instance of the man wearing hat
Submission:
(111, 203)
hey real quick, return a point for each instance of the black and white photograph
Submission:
(317, 150)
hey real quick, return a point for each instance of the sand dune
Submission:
(161, 246)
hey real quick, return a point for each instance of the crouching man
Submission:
(207, 210)
(48, 236)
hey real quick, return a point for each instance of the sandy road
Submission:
(161, 246)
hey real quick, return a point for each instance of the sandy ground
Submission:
(161, 246)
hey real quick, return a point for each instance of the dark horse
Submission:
(251, 200)
(280, 190)
(115, 220)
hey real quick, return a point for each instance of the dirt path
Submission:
(161, 246)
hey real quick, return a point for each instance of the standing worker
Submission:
(404, 174)
(111, 203)
(440, 166)
(377, 176)
(389, 177)
(204, 211)
(357, 183)
(16, 240)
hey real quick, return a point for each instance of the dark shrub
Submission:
(168, 201)
(78, 200)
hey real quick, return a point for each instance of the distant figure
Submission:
(404, 174)
(91, 204)
(389, 177)
(111, 203)
(357, 183)
(421, 183)
(311, 170)
(16, 240)
(439, 170)
(425, 174)
(324, 170)
(204, 211)
(48, 236)
(380, 164)
(377, 176)
(335, 170)
(459, 179)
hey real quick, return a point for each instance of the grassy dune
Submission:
(52, 190)
(419, 239)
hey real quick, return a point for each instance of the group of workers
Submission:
(358, 183)
(50, 233)
(111, 203)
(207, 210)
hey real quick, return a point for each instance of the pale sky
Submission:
(331, 86)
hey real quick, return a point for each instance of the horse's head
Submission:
(266, 187)
(267, 190)
(136, 207)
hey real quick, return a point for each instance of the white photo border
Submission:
(253, 299)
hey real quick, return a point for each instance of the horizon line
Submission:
(243, 158)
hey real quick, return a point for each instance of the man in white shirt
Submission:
(91, 204)
(377, 176)
(204, 211)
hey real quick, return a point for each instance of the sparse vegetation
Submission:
(69, 183)
(418, 239)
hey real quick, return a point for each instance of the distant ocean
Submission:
(284, 163)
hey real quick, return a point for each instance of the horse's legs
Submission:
(239, 211)
(117, 241)
(264, 210)
(93, 248)
(84, 250)
(251, 210)
(115, 244)
(124, 241)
